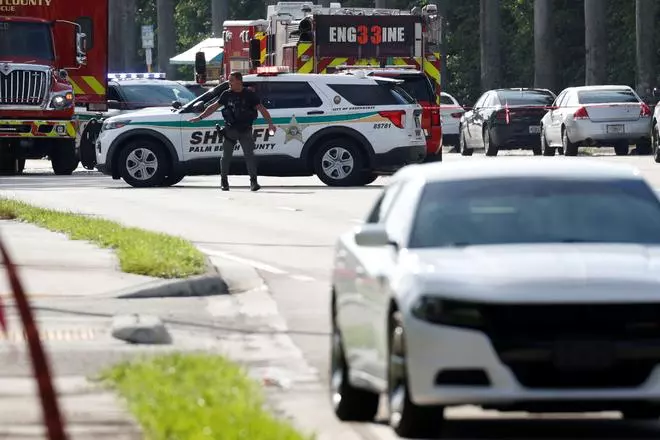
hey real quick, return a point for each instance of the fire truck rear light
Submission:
(272, 70)
(395, 116)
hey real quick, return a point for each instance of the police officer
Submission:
(240, 106)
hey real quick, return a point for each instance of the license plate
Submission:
(583, 355)
(619, 128)
(535, 129)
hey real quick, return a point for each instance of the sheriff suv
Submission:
(344, 129)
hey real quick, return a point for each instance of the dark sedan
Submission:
(505, 119)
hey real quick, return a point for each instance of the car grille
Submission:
(576, 346)
(23, 87)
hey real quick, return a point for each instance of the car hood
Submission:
(146, 113)
(539, 273)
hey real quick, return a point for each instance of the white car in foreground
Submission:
(597, 116)
(521, 284)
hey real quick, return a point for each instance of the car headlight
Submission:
(62, 101)
(447, 312)
(111, 125)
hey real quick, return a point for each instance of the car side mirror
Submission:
(372, 236)
(115, 105)
(177, 104)
(198, 107)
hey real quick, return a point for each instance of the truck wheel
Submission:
(63, 157)
(143, 163)
(339, 163)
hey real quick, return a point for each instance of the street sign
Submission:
(148, 36)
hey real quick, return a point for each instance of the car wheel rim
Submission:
(141, 164)
(397, 373)
(337, 163)
(337, 370)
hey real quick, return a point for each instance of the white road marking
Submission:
(302, 278)
(286, 208)
(256, 264)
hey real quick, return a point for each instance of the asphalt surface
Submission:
(287, 232)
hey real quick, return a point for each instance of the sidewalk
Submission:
(52, 267)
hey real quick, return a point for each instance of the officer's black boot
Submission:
(254, 186)
(224, 183)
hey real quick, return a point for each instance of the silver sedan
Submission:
(597, 116)
(520, 284)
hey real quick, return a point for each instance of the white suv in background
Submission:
(344, 129)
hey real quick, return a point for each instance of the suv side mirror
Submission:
(198, 107)
(177, 104)
(81, 48)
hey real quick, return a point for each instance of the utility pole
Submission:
(166, 39)
(595, 42)
(219, 13)
(489, 27)
(544, 53)
(645, 25)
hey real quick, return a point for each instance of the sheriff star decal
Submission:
(294, 131)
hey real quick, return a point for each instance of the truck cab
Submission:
(44, 74)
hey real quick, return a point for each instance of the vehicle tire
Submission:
(621, 148)
(545, 149)
(339, 162)
(644, 148)
(143, 163)
(63, 157)
(655, 144)
(369, 177)
(490, 149)
(172, 179)
(406, 418)
(10, 165)
(570, 148)
(349, 403)
(465, 151)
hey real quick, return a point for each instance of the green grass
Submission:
(196, 396)
(140, 252)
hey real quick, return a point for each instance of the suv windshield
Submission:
(536, 210)
(156, 94)
(31, 41)
(525, 97)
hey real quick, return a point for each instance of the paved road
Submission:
(287, 232)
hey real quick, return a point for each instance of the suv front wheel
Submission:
(339, 162)
(143, 163)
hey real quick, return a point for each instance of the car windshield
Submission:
(27, 41)
(536, 210)
(156, 94)
(525, 97)
(606, 96)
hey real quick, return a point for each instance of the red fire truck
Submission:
(309, 38)
(53, 57)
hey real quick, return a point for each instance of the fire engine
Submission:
(310, 38)
(53, 57)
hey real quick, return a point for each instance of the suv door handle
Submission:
(315, 112)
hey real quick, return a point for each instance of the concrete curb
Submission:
(209, 284)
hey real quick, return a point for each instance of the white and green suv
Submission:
(344, 129)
